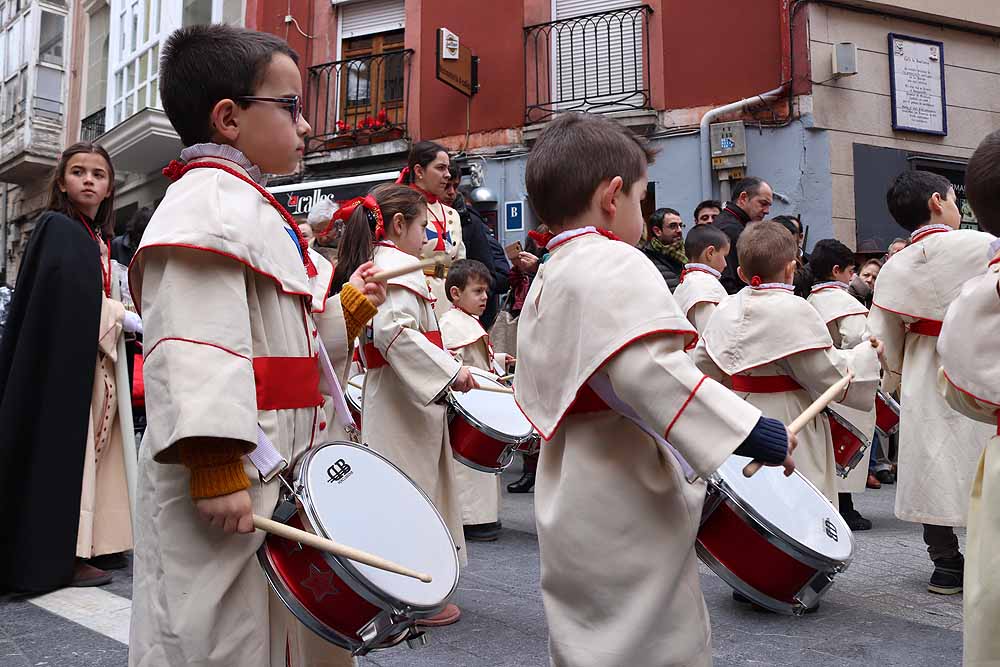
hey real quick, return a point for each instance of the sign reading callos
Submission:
(456, 66)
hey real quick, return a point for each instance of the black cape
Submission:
(48, 355)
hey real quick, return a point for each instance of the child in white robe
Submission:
(938, 447)
(776, 352)
(233, 303)
(468, 287)
(616, 514)
(403, 416)
(700, 291)
(831, 268)
(968, 379)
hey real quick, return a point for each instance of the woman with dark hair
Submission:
(64, 507)
(123, 247)
(427, 172)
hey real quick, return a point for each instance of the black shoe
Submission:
(523, 485)
(855, 521)
(482, 532)
(947, 577)
(885, 476)
(118, 561)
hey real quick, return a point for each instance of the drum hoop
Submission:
(348, 572)
(890, 401)
(508, 450)
(844, 423)
(453, 403)
(724, 573)
(777, 537)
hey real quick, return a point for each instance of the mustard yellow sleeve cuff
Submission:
(358, 310)
(216, 470)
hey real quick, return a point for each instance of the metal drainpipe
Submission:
(3, 233)
(706, 120)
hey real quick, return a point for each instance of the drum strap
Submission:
(268, 460)
(601, 385)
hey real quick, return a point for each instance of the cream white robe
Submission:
(616, 517)
(105, 517)
(403, 417)
(847, 321)
(455, 249)
(968, 379)
(698, 293)
(478, 492)
(219, 283)
(938, 447)
(765, 332)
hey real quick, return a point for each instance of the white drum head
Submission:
(360, 499)
(792, 505)
(354, 390)
(496, 412)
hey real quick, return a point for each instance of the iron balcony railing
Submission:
(596, 63)
(92, 126)
(358, 101)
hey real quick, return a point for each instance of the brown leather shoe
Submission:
(450, 614)
(85, 575)
(873, 482)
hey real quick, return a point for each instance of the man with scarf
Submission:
(665, 247)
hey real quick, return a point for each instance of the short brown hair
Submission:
(765, 248)
(982, 183)
(573, 156)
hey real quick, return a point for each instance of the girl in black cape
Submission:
(47, 366)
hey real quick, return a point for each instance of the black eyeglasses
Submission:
(293, 103)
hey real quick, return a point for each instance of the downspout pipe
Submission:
(704, 138)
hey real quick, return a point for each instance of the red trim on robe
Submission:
(195, 342)
(666, 434)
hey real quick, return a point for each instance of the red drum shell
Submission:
(848, 446)
(886, 414)
(473, 447)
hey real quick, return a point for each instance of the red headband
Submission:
(370, 205)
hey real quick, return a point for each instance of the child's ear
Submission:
(398, 224)
(454, 293)
(743, 276)
(225, 120)
(607, 193)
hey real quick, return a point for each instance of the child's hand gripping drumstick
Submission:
(827, 397)
(329, 546)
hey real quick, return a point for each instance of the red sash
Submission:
(926, 328)
(764, 384)
(286, 383)
(374, 358)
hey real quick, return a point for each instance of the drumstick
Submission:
(439, 261)
(495, 390)
(354, 384)
(329, 546)
(504, 378)
(825, 399)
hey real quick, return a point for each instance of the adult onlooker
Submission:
(665, 247)
(707, 211)
(123, 246)
(896, 245)
(751, 202)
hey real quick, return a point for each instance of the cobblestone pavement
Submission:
(878, 612)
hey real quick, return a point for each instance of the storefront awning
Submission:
(299, 198)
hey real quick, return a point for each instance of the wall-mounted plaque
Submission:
(916, 83)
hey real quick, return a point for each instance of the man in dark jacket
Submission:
(665, 247)
(751, 202)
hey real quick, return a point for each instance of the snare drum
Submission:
(351, 494)
(849, 444)
(775, 539)
(486, 428)
(353, 392)
(886, 414)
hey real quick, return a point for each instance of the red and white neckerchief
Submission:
(440, 224)
(831, 284)
(386, 243)
(571, 234)
(105, 270)
(175, 170)
(697, 266)
(927, 230)
(772, 286)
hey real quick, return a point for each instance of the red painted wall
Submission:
(494, 32)
(716, 55)
(269, 16)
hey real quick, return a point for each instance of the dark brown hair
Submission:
(59, 200)
(703, 237)
(765, 248)
(466, 271)
(357, 245)
(982, 183)
(573, 156)
(205, 64)
(909, 194)
(422, 153)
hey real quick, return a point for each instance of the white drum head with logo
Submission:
(792, 505)
(360, 499)
(495, 414)
(354, 390)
